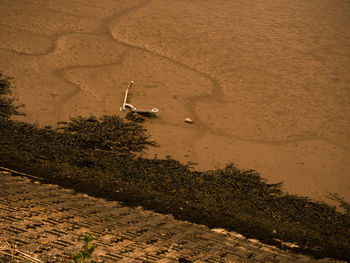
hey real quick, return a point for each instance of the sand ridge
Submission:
(266, 84)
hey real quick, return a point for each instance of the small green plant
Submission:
(87, 251)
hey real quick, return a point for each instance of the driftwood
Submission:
(11, 251)
(20, 173)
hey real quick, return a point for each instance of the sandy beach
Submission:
(266, 84)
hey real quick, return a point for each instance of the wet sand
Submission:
(266, 84)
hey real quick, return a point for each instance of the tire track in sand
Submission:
(71, 89)
(61, 72)
(217, 89)
(216, 92)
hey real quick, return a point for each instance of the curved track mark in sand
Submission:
(24, 53)
(73, 89)
(54, 43)
(76, 90)
(216, 94)
(217, 88)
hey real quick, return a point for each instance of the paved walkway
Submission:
(46, 222)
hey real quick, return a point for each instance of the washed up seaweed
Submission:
(100, 156)
(7, 106)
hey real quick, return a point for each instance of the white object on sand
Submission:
(125, 104)
(188, 120)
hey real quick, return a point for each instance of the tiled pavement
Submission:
(46, 222)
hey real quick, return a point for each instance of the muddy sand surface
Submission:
(267, 84)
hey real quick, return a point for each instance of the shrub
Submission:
(7, 107)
